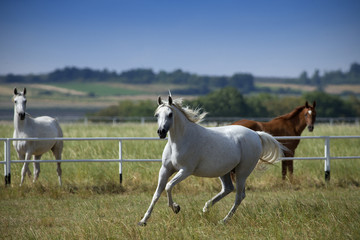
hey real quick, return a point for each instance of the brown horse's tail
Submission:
(272, 150)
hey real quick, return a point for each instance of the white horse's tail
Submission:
(272, 150)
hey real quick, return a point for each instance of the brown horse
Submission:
(291, 124)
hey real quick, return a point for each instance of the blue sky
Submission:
(266, 38)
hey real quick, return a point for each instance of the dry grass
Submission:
(338, 89)
(299, 87)
(92, 205)
(331, 89)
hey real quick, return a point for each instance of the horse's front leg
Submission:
(36, 168)
(164, 175)
(181, 175)
(287, 165)
(25, 169)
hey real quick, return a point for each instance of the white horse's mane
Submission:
(193, 115)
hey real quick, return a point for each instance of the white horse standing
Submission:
(41, 127)
(207, 152)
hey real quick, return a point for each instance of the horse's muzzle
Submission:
(22, 116)
(311, 128)
(162, 133)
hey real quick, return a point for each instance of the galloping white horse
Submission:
(207, 152)
(41, 127)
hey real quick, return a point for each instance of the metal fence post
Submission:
(7, 167)
(121, 160)
(327, 159)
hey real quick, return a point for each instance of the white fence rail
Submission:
(7, 147)
(219, 120)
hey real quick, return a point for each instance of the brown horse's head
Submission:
(310, 115)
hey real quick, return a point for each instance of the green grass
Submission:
(91, 204)
(100, 89)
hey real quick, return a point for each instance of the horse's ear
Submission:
(159, 101)
(306, 104)
(314, 104)
(170, 100)
(15, 91)
(24, 92)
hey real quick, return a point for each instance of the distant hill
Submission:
(195, 84)
(332, 77)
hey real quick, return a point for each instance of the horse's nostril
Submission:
(162, 133)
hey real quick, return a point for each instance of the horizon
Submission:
(266, 39)
(157, 72)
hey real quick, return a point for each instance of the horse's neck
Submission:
(290, 124)
(300, 123)
(20, 126)
(181, 127)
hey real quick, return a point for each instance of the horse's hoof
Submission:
(141, 224)
(222, 222)
(206, 208)
(176, 208)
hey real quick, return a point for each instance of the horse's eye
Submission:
(170, 115)
(156, 115)
(15, 101)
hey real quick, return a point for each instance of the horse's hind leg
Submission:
(283, 169)
(291, 169)
(240, 195)
(227, 187)
(36, 168)
(57, 150)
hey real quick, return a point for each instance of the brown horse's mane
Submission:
(292, 114)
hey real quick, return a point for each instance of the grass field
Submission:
(101, 89)
(93, 94)
(91, 204)
(331, 88)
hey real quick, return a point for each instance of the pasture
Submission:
(91, 204)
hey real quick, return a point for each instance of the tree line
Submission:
(196, 84)
(332, 77)
(230, 102)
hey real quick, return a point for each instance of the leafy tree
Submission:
(270, 105)
(129, 108)
(225, 102)
(245, 82)
(304, 78)
(354, 73)
(316, 80)
(138, 76)
(329, 105)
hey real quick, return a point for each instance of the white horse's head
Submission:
(20, 103)
(165, 117)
